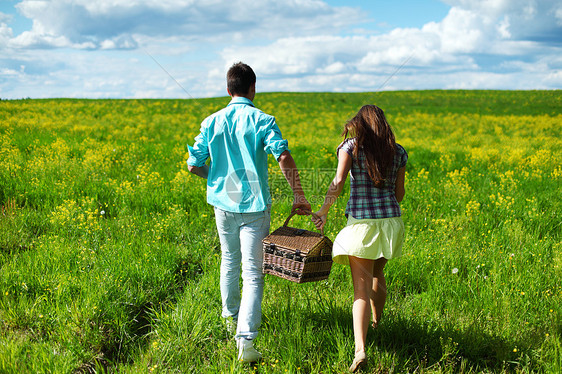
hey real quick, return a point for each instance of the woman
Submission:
(374, 232)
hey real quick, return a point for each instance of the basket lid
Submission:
(295, 239)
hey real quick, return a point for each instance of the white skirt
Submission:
(370, 239)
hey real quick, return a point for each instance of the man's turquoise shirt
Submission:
(238, 139)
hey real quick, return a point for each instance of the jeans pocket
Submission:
(224, 222)
(267, 218)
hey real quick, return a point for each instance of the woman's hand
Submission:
(319, 218)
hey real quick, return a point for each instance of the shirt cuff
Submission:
(278, 148)
(193, 160)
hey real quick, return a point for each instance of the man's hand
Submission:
(202, 171)
(300, 202)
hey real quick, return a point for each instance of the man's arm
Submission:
(291, 173)
(198, 155)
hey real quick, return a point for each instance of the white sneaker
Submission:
(246, 351)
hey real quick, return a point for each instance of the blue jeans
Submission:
(241, 236)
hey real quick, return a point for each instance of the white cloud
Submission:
(441, 46)
(5, 18)
(462, 31)
(334, 68)
(30, 39)
(558, 15)
(85, 48)
(535, 20)
(503, 28)
(9, 72)
(446, 48)
(296, 56)
(5, 34)
(103, 23)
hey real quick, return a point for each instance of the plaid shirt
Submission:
(365, 200)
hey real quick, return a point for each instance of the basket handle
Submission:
(307, 212)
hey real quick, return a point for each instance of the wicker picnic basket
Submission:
(296, 254)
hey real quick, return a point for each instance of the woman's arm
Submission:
(399, 190)
(336, 187)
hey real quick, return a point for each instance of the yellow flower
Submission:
(472, 208)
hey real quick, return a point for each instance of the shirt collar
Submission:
(241, 100)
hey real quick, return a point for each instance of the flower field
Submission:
(109, 257)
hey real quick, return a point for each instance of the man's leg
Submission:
(229, 234)
(252, 232)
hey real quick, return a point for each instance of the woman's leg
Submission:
(378, 294)
(362, 275)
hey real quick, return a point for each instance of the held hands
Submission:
(302, 207)
(319, 220)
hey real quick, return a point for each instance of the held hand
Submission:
(319, 219)
(301, 203)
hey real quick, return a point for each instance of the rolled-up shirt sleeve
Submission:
(199, 153)
(273, 141)
(347, 145)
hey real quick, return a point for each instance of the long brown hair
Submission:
(375, 139)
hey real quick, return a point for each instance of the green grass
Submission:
(109, 255)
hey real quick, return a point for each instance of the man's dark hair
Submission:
(239, 79)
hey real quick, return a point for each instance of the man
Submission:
(237, 139)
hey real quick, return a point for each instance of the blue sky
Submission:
(132, 48)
